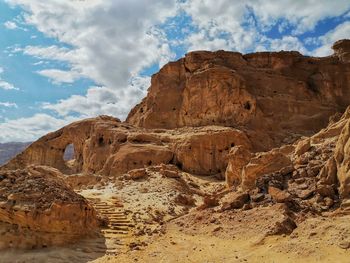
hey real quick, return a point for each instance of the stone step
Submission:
(122, 228)
(121, 224)
(119, 219)
(112, 213)
(112, 231)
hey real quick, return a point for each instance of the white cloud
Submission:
(102, 100)
(8, 104)
(60, 76)
(110, 42)
(29, 129)
(4, 84)
(326, 41)
(225, 25)
(301, 15)
(10, 25)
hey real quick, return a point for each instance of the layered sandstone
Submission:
(277, 94)
(106, 146)
(37, 209)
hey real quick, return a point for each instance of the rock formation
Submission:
(106, 146)
(313, 173)
(258, 120)
(276, 94)
(37, 209)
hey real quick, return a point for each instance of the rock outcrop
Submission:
(37, 209)
(249, 118)
(276, 94)
(106, 146)
(342, 50)
(311, 174)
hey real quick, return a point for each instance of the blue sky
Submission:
(63, 60)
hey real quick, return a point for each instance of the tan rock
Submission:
(234, 200)
(279, 195)
(240, 90)
(342, 158)
(342, 50)
(263, 163)
(302, 147)
(205, 152)
(38, 209)
(137, 174)
(238, 157)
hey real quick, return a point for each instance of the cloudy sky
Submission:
(62, 60)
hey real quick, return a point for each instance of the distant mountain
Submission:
(10, 150)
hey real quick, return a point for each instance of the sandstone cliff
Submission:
(276, 94)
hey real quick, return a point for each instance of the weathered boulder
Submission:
(238, 157)
(261, 164)
(37, 209)
(279, 195)
(204, 151)
(234, 200)
(302, 147)
(131, 157)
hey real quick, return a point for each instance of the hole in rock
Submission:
(100, 141)
(247, 105)
(68, 153)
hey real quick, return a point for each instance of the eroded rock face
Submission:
(342, 50)
(342, 158)
(312, 174)
(106, 146)
(277, 93)
(37, 209)
(203, 152)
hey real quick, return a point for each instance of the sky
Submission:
(64, 60)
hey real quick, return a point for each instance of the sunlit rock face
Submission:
(37, 209)
(312, 172)
(270, 93)
(201, 106)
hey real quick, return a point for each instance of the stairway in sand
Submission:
(118, 231)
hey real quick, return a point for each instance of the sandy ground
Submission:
(164, 230)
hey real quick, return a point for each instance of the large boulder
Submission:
(238, 157)
(205, 151)
(37, 209)
(342, 158)
(261, 164)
